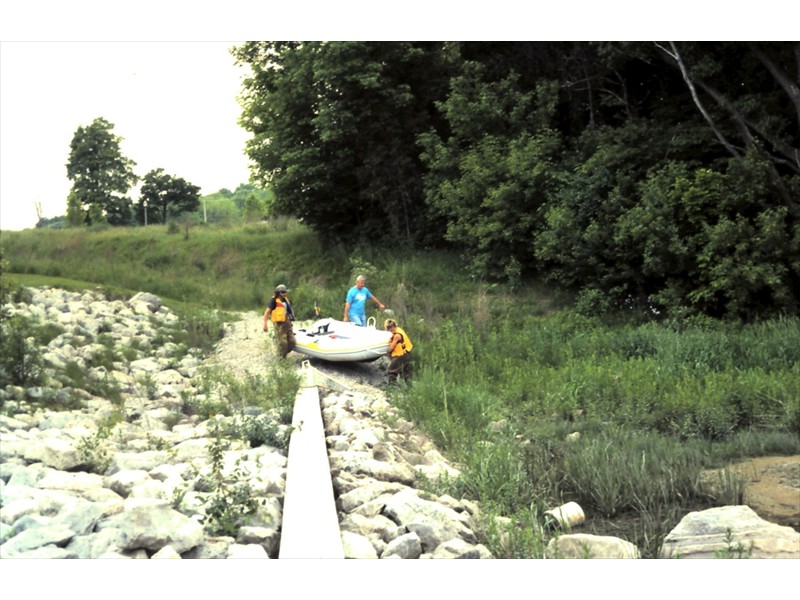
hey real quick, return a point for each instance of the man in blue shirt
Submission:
(356, 301)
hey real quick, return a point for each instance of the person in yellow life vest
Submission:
(279, 312)
(400, 348)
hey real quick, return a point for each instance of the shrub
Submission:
(20, 354)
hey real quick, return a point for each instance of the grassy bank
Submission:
(538, 404)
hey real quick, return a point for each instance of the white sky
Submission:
(173, 103)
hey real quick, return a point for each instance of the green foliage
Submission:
(216, 268)
(20, 354)
(494, 170)
(221, 393)
(261, 430)
(734, 548)
(618, 470)
(94, 449)
(231, 500)
(100, 175)
(334, 129)
(521, 537)
(6, 283)
(653, 406)
(275, 391)
(164, 196)
(593, 164)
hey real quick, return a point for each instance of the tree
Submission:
(334, 132)
(100, 175)
(582, 162)
(492, 172)
(165, 196)
(254, 209)
(756, 111)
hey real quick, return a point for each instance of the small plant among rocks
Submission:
(260, 430)
(734, 549)
(230, 502)
(93, 449)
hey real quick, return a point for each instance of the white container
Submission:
(566, 516)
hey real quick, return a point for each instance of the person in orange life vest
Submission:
(400, 348)
(279, 311)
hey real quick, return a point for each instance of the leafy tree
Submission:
(757, 111)
(221, 209)
(334, 132)
(166, 196)
(254, 209)
(495, 169)
(100, 175)
(641, 175)
(59, 222)
(75, 214)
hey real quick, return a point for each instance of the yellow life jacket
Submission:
(404, 346)
(278, 315)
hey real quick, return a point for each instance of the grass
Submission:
(504, 379)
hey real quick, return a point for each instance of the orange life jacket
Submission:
(278, 314)
(404, 346)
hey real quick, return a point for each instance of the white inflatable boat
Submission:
(341, 341)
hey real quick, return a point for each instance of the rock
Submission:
(32, 539)
(433, 522)
(406, 546)
(366, 493)
(378, 525)
(155, 454)
(122, 482)
(58, 453)
(730, 531)
(458, 548)
(357, 546)
(166, 552)
(267, 537)
(152, 524)
(152, 301)
(584, 545)
(247, 551)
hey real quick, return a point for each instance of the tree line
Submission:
(645, 175)
(102, 178)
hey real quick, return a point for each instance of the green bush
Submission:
(21, 360)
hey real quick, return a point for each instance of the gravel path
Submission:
(246, 349)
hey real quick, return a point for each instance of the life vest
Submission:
(404, 346)
(278, 314)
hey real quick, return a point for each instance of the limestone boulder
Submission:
(730, 531)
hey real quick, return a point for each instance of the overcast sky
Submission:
(172, 103)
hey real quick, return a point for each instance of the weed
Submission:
(93, 449)
(229, 503)
(260, 430)
(737, 550)
(149, 384)
(518, 537)
(21, 361)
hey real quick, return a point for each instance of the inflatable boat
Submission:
(341, 341)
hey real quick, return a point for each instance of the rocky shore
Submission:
(108, 459)
(133, 475)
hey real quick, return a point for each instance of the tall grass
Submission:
(654, 405)
(502, 377)
(226, 268)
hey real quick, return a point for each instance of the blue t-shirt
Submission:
(358, 299)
